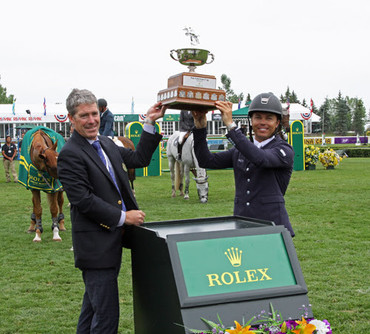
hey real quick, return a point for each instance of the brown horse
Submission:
(127, 142)
(44, 157)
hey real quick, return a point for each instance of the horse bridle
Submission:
(47, 148)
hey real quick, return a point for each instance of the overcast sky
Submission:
(120, 49)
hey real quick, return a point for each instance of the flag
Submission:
(288, 105)
(44, 107)
(132, 106)
(239, 102)
(13, 107)
(311, 106)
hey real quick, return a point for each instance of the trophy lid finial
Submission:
(194, 38)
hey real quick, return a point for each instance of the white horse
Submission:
(188, 162)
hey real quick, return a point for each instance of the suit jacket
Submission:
(186, 121)
(261, 174)
(95, 201)
(106, 123)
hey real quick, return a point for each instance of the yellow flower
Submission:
(283, 328)
(303, 327)
(240, 330)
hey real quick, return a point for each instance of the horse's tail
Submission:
(177, 175)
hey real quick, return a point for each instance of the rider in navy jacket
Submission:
(262, 169)
(106, 119)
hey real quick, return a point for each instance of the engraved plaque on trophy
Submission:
(190, 90)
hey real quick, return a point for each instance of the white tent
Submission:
(299, 112)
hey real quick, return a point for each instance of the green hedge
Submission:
(358, 152)
(354, 152)
(351, 150)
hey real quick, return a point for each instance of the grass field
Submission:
(41, 291)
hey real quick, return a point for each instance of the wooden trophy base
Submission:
(191, 91)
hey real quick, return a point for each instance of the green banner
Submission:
(235, 264)
(171, 118)
(131, 118)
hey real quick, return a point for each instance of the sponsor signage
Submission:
(19, 119)
(119, 118)
(229, 265)
(296, 137)
(171, 118)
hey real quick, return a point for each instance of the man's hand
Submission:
(200, 119)
(156, 111)
(226, 109)
(134, 217)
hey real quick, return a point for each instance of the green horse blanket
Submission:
(29, 176)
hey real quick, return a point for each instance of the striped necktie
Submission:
(97, 147)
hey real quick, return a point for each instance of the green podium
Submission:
(228, 266)
(297, 141)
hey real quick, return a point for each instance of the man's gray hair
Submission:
(78, 97)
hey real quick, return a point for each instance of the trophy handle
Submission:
(172, 55)
(213, 58)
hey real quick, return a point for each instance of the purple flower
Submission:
(327, 323)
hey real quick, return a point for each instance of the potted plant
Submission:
(269, 323)
(329, 158)
(311, 154)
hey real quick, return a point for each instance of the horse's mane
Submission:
(47, 141)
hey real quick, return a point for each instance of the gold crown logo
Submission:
(234, 256)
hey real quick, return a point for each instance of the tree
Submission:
(292, 96)
(324, 113)
(359, 114)
(342, 119)
(248, 99)
(230, 95)
(3, 98)
(284, 98)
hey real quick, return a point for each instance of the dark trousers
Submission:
(100, 306)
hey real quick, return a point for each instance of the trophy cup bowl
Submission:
(190, 90)
(192, 57)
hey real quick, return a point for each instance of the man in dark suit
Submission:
(106, 119)
(262, 167)
(186, 124)
(93, 171)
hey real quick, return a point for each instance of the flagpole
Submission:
(323, 132)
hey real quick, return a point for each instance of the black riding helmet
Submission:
(102, 103)
(266, 102)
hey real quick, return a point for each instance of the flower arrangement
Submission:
(270, 323)
(311, 155)
(329, 158)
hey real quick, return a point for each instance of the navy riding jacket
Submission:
(261, 174)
